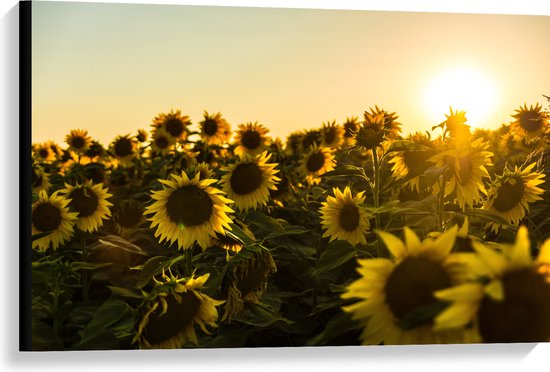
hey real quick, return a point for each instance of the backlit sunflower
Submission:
(248, 181)
(456, 126)
(174, 123)
(215, 130)
(142, 135)
(251, 139)
(509, 301)
(351, 126)
(510, 194)
(124, 148)
(530, 122)
(245, 279)
(161, 141)
(343, 218)
(127, 217)
(171, 311)
(391, 125)
(78, 140)
(189, 210)
(316, 162)
(90, 201)
(396, 303)
(332, 134)
(51, 215)
(467, 169)
(372, 132)
(44, 152)
(40, 180)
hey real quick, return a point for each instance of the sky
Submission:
(111, 68)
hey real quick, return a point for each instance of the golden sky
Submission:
(111, 68)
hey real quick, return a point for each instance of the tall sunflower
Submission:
(171, 311)
(215, 130)
(510, 194)
(174, 123)
(90, 201)
(188, 210)
(251, 139)
(391, 125)
(509, 301)
(343, 218)
(248, 181)
(316, 162)
(51, 216)
(332, 134)
(127, 217)
(124, 148)
(530, 122)
(372, 132)
(467, 168)
(393, 292)
(78, 141)
(161, 141)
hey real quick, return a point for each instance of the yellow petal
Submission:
(520, 252)
(463, 292)
(394, 244)
(495, 262)
(544, 253)
(456, 315)
(495, 290)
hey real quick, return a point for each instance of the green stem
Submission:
(441, 203)
(376, 196)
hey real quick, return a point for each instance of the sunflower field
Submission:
(202, 235)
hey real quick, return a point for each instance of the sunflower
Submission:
(250, 139)
(203, 170)
(372, 131)
(90, 201)
(467, 168)
(44, 152)
(127, 217)
(293, 143)
(332, 134)
(530, 122)
(174, 123)
(215, 130)
(391, 125)
(78, 141)
(124, 148)
(351, 126)
(509, 301)
(245, 279)
(172, 310)
(394, 292)
(456, 126)
(344, 218)
(188, 210)
(510, 194)
(142, 135)
(311, 138)
(248, 182)
(316, 162)
(51, 216)
(40, 180)
(162, 141)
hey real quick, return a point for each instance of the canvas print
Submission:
(220, 177)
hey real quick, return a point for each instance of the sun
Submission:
(465, 89)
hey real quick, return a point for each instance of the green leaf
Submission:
(237, 233)
(421, 315)
(486, 216)
(263, 221)
(337, 253)
(260, 315)
(337, 326)
(124, 292)
(286, 233)
(44, 337)
(77, 265)
(154, 266)
(317, 192)
(346, 171)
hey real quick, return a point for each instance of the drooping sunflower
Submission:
(530, 122)
(124, 149)
(316, 162)
(248, 181)
(40, 180)
(90, 201)
(392, 291)
(251, 139)
(510, 194)
(78, 141)
(162, 142)
(171, 311)
(174, 123)
(189, 210)
(332, 134)
(509, 301)
(51, 215)
(343, 218)
(127, 217)
(245, 279)
(44, 152)
(215, 130)
(391, 125)
(467, 169)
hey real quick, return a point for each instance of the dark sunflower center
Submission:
(330, 135)
(466, 168)
(370, 135)
(530, 121)
(251, 139)
(84, 201)
(178, 316)
(174, 127)
(315, 162)
(411, 284)
(310, 139)
(43, 153)
(123, 147)
(246, 178)
(46, 217)
(161, 142)
(210, 127)
(189, 206)
(509, 194)
(254, 277)
(523, 315)
(78, 142)
(348, 218)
